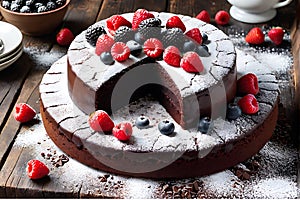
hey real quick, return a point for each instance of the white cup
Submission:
(255, 11)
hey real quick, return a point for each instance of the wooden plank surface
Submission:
(19, 83)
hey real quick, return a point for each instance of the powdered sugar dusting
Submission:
(274, 188)
(140, 188)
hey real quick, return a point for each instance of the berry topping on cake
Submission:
(222, 17)
(93, 32)
(166, 127)
(204, 16)
(123, 34)
(120, 51)
(107, 58)
(122, 131)
(195, 35)
(140, 15)
(202, 51)
(115, 21)
(248, 84)
(135, 48)
(191, 62)
(24, 112)
(204, 124)
(175, 22)
(255, 36)
(172, 56)
(139, 38)
(173, 37)
(104, 44)
(248, 104)
(36, 169)
(149, 28)
(64, 37)
(204, 38)
(233, 111)
(100, 121)
(153, 48)
(142, 122)
(276, 35)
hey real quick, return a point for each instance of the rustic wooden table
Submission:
(20, 83)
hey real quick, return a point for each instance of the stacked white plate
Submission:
(12, 43)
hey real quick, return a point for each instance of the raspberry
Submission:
(222, 17)
(36, 169)
(249, 104)
(191, 62)
(24, 112)
(115, 21)
(100, 121)
(120, 51)
(276, 35)
(104, 44)
(195, 34)
(175, 22)
(255, 36)
(64, 37)
(172, 56)
(204, 16)
(122, 131)
(140, 15)
(248, 84)
(153, 48)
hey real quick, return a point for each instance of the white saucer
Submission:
(12, 60)
(247, 17)
(11, 37)
(11, 55)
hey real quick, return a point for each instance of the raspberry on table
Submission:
(24, 112)
(36, 169)
(204, 16)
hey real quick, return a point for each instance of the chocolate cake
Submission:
(80, 83)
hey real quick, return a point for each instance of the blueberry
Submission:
(6, 4)
(25, 9)
(51, 5)
(204, 124)
(15, 7)
(139, 38)
(233, 111)
(135, 48)
(166, 127)
(42, 9)
(29, 3)
(107, 58)
(189, 46)
(142, 122)
(202, 51)
(37, 5)
(204, 38)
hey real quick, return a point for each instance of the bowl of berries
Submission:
(34, 17)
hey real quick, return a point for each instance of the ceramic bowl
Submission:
(36, 24)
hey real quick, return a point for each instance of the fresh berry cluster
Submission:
(256, 36)
(32, 6)
(145, 34)
(100, 121)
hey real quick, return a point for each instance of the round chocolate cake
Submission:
(143, 87)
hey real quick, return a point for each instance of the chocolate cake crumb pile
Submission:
(54, 158)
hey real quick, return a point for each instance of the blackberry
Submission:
(123, 34)
(6, 4)
(150, 28)
(37, 5)
(51, 5)
(42, 9)
(93, 32)
(173, 37)
(25, 9)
